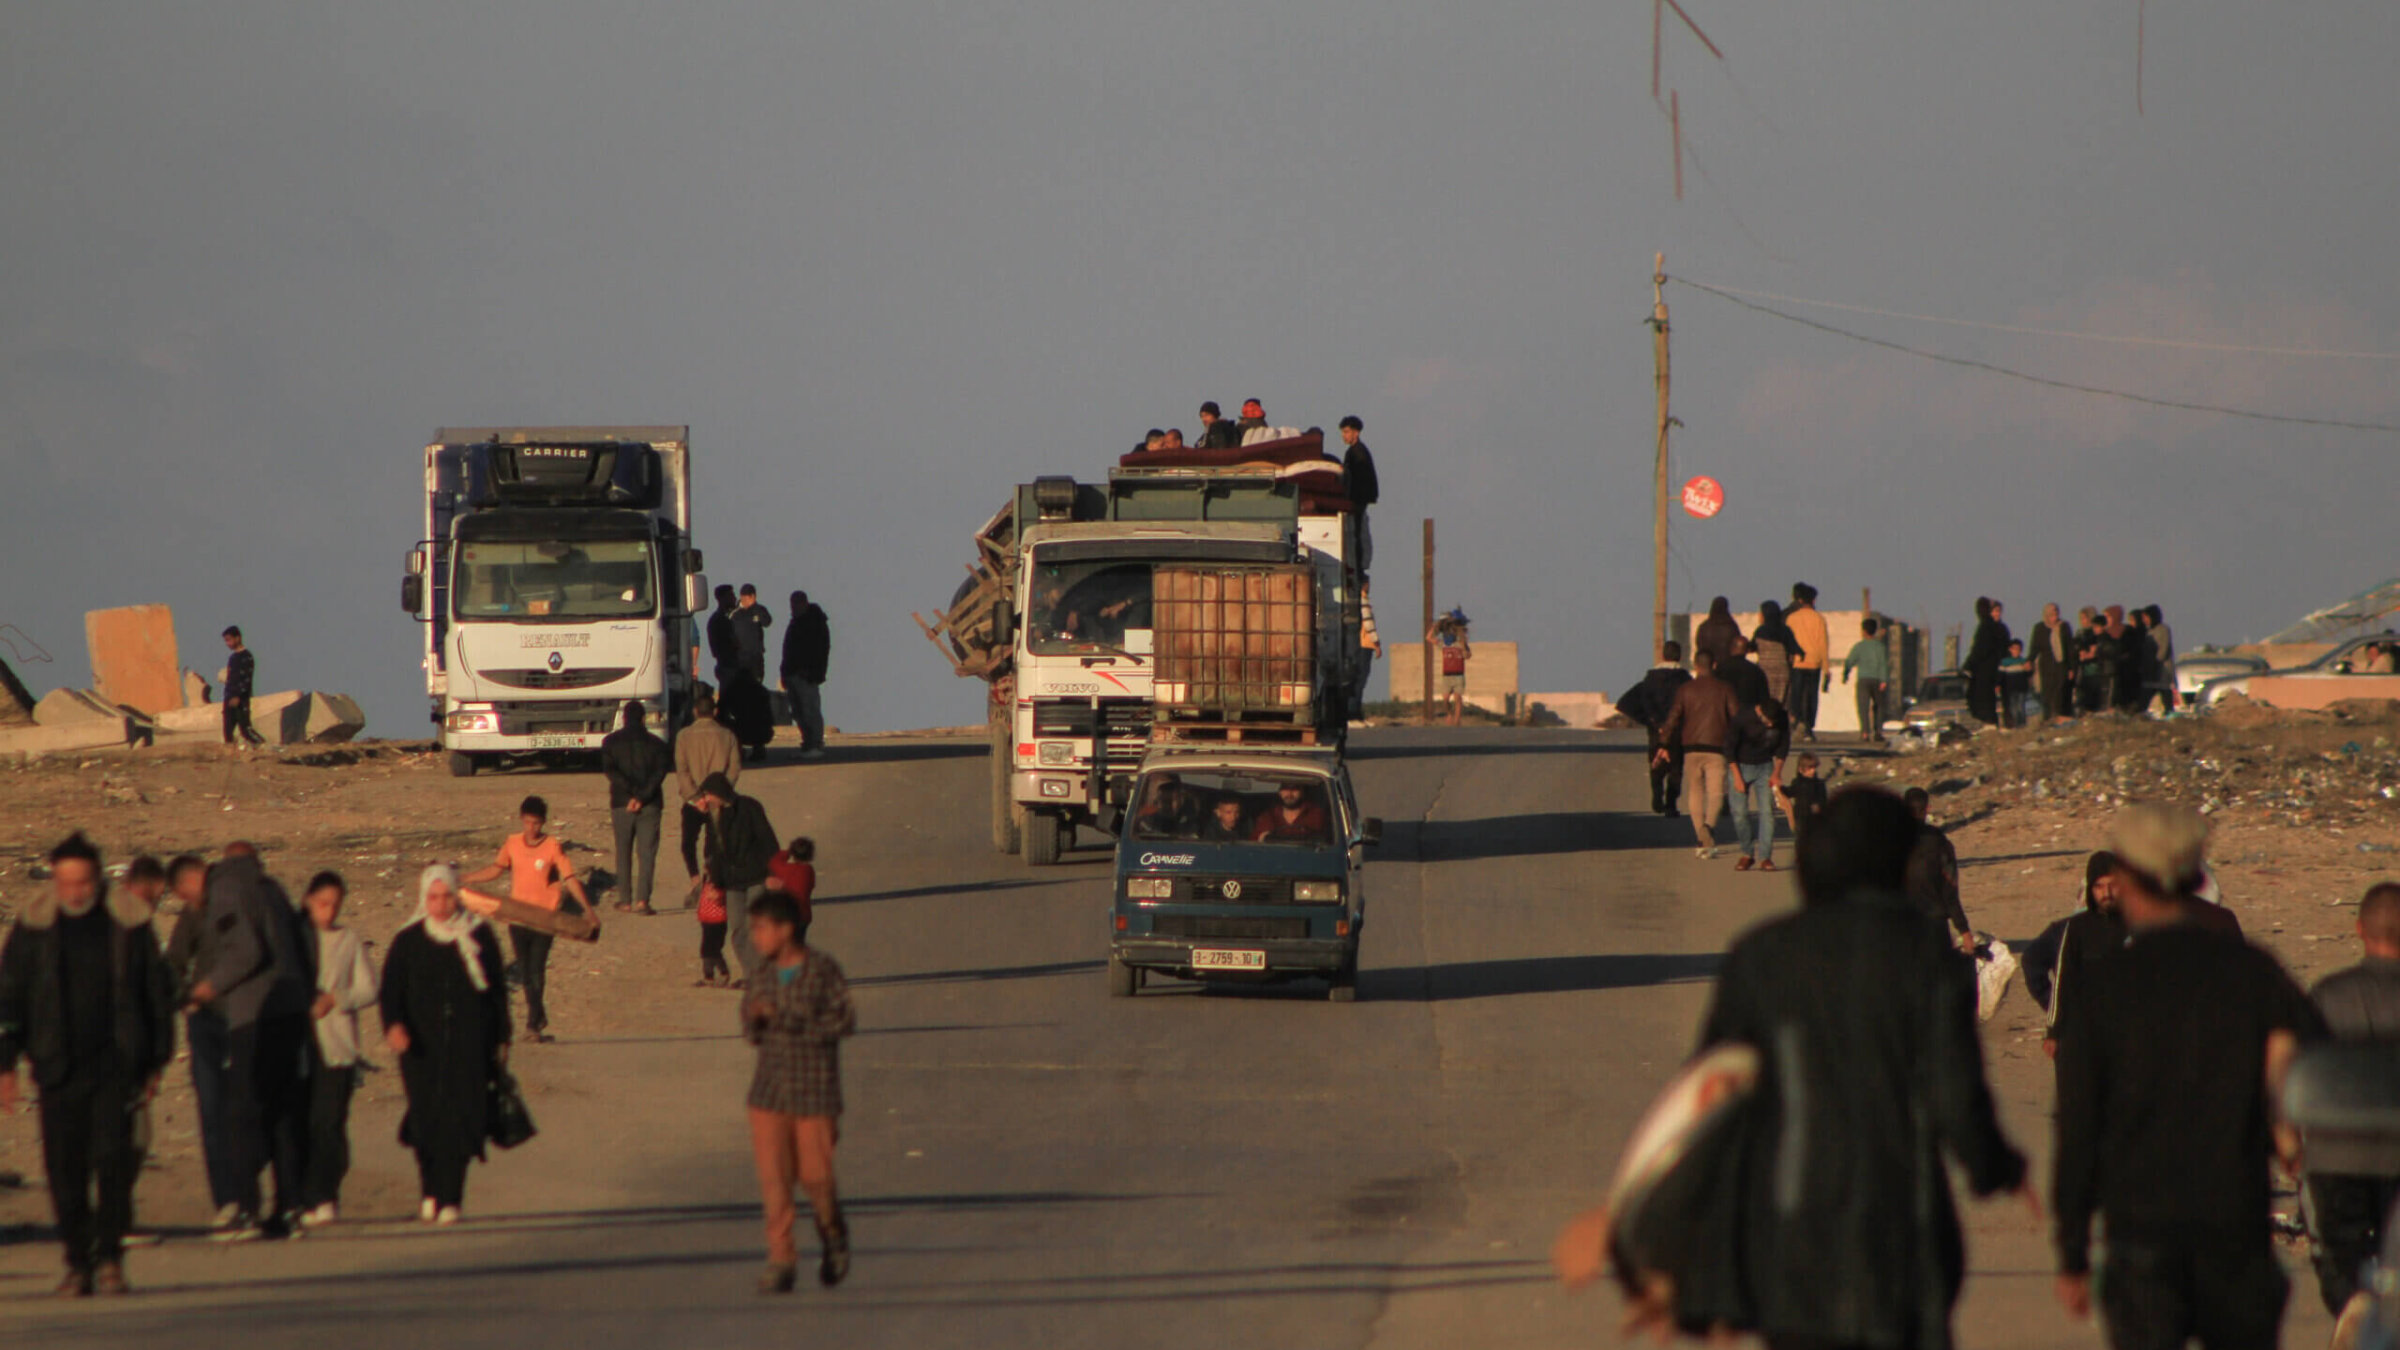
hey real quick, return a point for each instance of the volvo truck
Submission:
(555, 581)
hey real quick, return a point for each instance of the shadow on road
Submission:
(986, 973)
(1435, 841)
(952, 888)
(1480, 749)
(1463, 980)
(900, 752)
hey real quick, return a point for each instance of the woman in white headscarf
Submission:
(445, 1017)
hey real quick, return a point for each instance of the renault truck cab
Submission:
(1240, 865)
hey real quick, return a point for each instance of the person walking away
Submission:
(191, 949)
(1761, 738)
(1648, 703)
(2361, 1005)
(537, 869)
(1932, 878)
(1808, 665)
(445, 1019)
(1217, 431)
(710, 910)
(85, 998)
(241, 674)
(705, 749)
(1772, 645)
(1717, 633)
(1748, 681)
(2053, 651)
(1803, 800)
(1870, 665)
(2164, 1123)
(793, 872)
(807, 651)
(796, 1009)
(741, 842)
(724, 647)
(636, 764)
(1370, 648)
(1699, 727)
(1871, 1084)
(346, 986)
(258, 982)
(1364, 488)
(1982, 666)
(1448, 636)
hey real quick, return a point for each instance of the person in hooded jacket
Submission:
(260, 983)
(1775, 647)
(85, 996)
(2057, 963)
(1647, 703)
(1871, 1079)
(445, 1019)
(807, 651)
(1717, 633)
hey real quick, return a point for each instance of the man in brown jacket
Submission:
(706, 747)
(1700, 723)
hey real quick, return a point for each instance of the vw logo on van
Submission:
(1232, 890)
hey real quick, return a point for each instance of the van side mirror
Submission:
(412, 594)
(1370, 830)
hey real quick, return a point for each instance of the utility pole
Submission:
(1658, 527)
(1428, 661)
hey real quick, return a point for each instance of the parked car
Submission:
(2363, 667)
(1941, 700)
(2197, 669)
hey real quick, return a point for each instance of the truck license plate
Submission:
(1220, 958)
(557, 742)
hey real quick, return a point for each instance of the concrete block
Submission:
(281, 717)
(208, 718)
(71, 736)
(134, 661)
(195, 689)
(334, 718)
(16, 702)
(66, 707)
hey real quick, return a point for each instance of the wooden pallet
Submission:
(1235, 733)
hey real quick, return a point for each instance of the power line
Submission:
(2126, 339)
(1989, 368)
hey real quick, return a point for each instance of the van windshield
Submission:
(1227, 808)
(553, 579)
(1085, 607)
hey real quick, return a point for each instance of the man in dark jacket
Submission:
(807, 651)
(2360, 1004)
(1932, 880)
(1217, 431)
(1365, 489)
(241, 674)
(2166, 1071)
(260, 983)
(85, 995)
(724, 648)
(751, 620)
(1699, 728)
(1749, 682)
(637, 764)
(1647, 703)
(1870, 1075)
(741, 840)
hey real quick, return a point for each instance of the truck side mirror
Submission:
(1004, 625)
(695, 593)
(412, 594)
(1370, 830)
(415, 566)
(693, 561)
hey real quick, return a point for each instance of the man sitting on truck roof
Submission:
(1217, 431)
(1295, 818)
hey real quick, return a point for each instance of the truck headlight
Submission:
(1149, 888)
(1055, 787)
(1057, 752)
(1317, 892)
(474, 720)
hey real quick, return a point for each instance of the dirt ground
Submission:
(2304, 806)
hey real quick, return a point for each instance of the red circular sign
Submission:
(1703, 497)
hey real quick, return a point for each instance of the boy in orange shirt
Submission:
(538, 870)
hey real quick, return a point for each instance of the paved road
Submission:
(1030, 1163)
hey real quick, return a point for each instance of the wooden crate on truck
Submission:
(1235, 644)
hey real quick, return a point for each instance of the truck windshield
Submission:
(553, 579)
(1086, 606)
(1224, 808)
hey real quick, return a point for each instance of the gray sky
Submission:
(889, 259)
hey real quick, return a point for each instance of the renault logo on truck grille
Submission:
(1231, 890)
(557, 661)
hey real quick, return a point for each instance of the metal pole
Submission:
(1658, 325)
(1429, 649)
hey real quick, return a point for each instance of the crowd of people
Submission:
(2108, 660)
(737, 647)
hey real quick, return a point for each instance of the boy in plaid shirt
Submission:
(796, 1010)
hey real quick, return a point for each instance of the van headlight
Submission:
(1317, 892)
(1149, 888)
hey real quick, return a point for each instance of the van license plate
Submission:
(558, 742)
(1219, 958)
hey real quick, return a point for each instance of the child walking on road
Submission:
(796, 1010)
(538, 870)
(714, 973)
